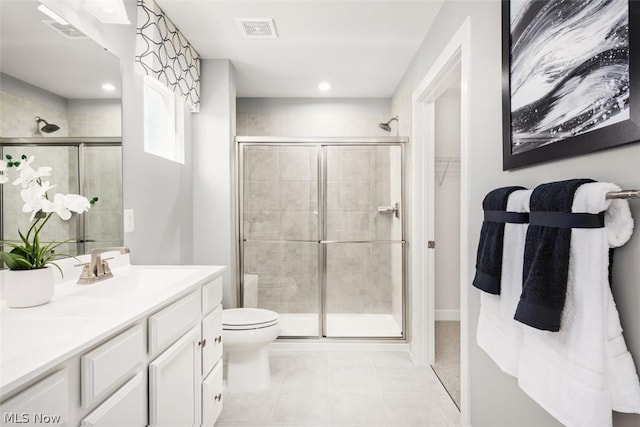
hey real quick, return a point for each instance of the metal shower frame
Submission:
(320, 142)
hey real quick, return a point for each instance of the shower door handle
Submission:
(395, 210)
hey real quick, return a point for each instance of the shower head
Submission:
(48, 127)
(385, 126)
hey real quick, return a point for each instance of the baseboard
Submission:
(452, 315)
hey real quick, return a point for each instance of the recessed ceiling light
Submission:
(324, 86)
(108, 87)
(51, 14)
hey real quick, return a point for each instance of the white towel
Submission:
(584, 371)
(498, 333)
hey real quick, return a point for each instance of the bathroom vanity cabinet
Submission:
(125, 358)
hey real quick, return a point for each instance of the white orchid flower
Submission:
(63, 205)
(28, 175)
(3, 172)
(34, 197)
(25, 163)
(76, 203)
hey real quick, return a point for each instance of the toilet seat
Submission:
(248, 318)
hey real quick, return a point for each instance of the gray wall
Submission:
(159, 191)
(213, 172)
(496, 400)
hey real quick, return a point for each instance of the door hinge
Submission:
(431, 244)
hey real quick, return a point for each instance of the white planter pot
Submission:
(28, 288)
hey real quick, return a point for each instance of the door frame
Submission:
(455, 54)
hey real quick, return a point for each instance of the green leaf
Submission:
(8, 261)
(8, 156)
(15, 261)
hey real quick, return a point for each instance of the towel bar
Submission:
(624, 194)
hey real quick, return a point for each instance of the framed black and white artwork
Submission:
(571, 78)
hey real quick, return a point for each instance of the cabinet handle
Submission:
(218, 397)
(202, 343)
(218, 339)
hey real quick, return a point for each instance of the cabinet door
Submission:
(212, 396)
(46, 402)
(212, 333)
(126, 407)
(174, 383)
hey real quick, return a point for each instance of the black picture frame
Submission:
(624, 132)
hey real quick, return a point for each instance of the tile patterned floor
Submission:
(346, 389)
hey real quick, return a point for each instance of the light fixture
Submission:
(108, 87)
(324, 86)
(51, 14)
(260, 28)
(107, 11)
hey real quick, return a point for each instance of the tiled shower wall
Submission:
(18, 118)
(280, 202)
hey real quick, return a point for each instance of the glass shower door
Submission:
(102, 178)
(363, 241)
(280, 234)
(64, 162)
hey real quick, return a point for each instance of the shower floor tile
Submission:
(342, 389)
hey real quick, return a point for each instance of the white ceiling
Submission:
(363, 48)
(37, 54)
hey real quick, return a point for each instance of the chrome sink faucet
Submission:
(98, 269)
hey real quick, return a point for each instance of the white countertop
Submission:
(34, 340)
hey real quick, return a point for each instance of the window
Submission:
(163, 121)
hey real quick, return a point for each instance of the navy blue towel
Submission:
(489, 258)
(546, 258)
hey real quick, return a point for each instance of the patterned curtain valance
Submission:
(164, 53)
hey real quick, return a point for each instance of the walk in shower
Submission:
(321, 234)
(88, 166)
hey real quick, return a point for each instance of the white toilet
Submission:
(247, 333)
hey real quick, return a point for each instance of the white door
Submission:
(174, 383)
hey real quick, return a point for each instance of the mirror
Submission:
(54, 72)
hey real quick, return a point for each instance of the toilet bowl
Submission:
(247, 333)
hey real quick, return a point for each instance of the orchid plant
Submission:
(31, 253)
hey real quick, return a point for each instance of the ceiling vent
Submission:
(257, 28)
(68, 30)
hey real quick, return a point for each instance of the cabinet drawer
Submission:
(167, 325)
(46, 402)
(212, 334)
(212, 396)
(211, 295)
(109, 365)
(126, 407)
